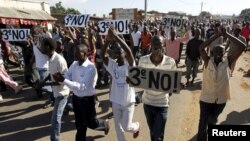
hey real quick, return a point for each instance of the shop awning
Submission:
(15, 13)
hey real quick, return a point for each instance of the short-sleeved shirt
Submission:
(120, 93)
(58, 64)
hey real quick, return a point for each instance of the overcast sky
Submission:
(100, 7)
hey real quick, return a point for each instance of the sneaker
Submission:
(1, 98)
(106, 125)
(136, 133)
(18, 89)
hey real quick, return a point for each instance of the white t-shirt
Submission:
(120, 93)
(58, 64)
(136, 36)
(42, 60)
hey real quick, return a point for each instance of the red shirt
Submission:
(245, 32)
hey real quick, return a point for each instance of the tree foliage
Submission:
(205, 14)
(59, 9)
(245, 14)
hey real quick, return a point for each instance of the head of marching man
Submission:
(157, 50)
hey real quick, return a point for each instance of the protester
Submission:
(245, 32)
(81, 79)
(4, 76)
(122, 95)
(145, 41)
(172, 44)
(193, 56)
(156, 103)
(57, 64)
(216, 87)
(136, 38)
(232, 47)
(41, 63)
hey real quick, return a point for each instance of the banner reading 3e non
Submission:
(76, 20)
(158, 80)
(121, 26)
(15, 34)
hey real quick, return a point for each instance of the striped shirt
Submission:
(81, 79)
(154, 98)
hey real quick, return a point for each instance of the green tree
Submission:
(205, 14)
(59, 9)
(245, 14)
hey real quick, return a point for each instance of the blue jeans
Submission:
(209, 113)
(43, 73)
(156, 119)
(60, 103)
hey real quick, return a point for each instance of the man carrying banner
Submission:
(156, 103)
(216, 87)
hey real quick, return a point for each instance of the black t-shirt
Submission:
(193, 46)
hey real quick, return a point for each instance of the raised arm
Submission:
(125, 47)
(104, 54)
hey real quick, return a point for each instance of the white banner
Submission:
(121, 26)
(76, 20)
(15, 34)
(173, 21)
(124, 14)
(158, 80)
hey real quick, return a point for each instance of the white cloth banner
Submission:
(121, 26)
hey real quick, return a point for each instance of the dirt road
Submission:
(22, 117)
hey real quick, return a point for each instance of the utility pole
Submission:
(146, 5)
(201, 5)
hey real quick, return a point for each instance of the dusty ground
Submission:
(23, 118)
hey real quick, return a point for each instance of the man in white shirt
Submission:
(215, 86)
(136, 37)
(81, 79)
(57, 64)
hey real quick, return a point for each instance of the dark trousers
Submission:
(209, 113)
(156, 119)
(135, 51)
(85, 113)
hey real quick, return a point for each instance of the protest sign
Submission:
(121, 26)
(76, 20)
(15, 34)
(153, 79)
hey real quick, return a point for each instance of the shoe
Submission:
(136, 134)
(106, 125)
(47, 104)
(18, 89)
(1, 98)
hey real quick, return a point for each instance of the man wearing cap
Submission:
(215, 86)
(232, 47)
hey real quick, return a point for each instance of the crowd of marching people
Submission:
(70, 63)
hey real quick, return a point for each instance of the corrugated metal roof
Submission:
(24, 14)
